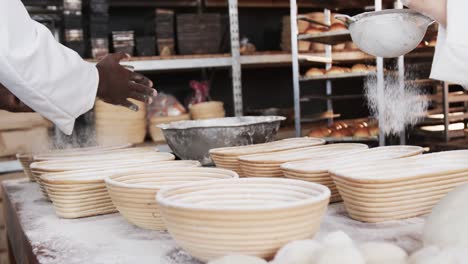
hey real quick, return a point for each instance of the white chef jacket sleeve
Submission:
(451, 55)
(48, 77)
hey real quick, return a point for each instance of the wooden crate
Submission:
(199, 34)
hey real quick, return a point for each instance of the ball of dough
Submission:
(237, 259)
(432, 255)
(447, 225)
(298, 252)
(424, 255)
(383, 253)
(347, 254)
(337, 238)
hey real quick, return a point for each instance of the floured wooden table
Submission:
(37, 235)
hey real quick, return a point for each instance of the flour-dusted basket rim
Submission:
(185, 174)
(406, 169)
(321, 194)
(285, 144)
(378, 153)
(99, 174)
(281, 157)
(222, 122)
(64, 165)
(81, 151)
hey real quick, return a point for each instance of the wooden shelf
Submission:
(153, 3)
(309, 98)
(312, 21)
(331, 4)
(268, 58)
(337, 76)
(328, 38)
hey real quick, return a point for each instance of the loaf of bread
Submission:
(337, 27)
(359, 68)
(336, 70)
(303, 46)
(302, 26)
(320, 132)
(314, 30)
(361, 132)
(315, 72)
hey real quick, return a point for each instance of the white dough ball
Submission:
(338, 238)
(298, 252)
(383, 253)
(340, 255)
(447, 225)
(432, 255)
(424, 255)
(238, 259)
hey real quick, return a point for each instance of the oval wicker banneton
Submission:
(228, 157)
(133, 193)
(269, 164)
(249, 216)
(317, 170)
(402, 188)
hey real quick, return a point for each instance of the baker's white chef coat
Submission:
(451, 55)
(48, 77)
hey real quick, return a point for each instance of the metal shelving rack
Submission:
(332, 38)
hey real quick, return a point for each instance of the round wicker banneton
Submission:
(249, 216)
(269, 164)
(397, 189)
(227, 158)
(133, 193)
(317, 170)
(83, 193)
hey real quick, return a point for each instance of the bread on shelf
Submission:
(304, 46)
(337, 27)
(320, 132)
(302, 26)
(351, 46)
(362, 131)
(315, 72)
(337, 70)
(359, 68)
(314, 30)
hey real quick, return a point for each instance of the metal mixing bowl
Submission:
(192, 140)
(388, 33)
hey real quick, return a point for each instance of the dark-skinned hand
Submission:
(117, 84)
(10, 102)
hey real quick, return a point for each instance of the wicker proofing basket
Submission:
(242, 216)
(318, 170)
(83, 193)
(26, 160)
(269, 165)
(207, 110)
(156, 133)
(133, 193)
(93, 161)
(116, 124)
(227, 158)
(402, 188)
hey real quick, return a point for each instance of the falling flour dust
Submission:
(401, 106)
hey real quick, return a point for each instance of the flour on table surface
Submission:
(111, 239)
(407, 234)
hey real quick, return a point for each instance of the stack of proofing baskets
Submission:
(119, 125)
(317, 170)
(397, 189)
(228, 158)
